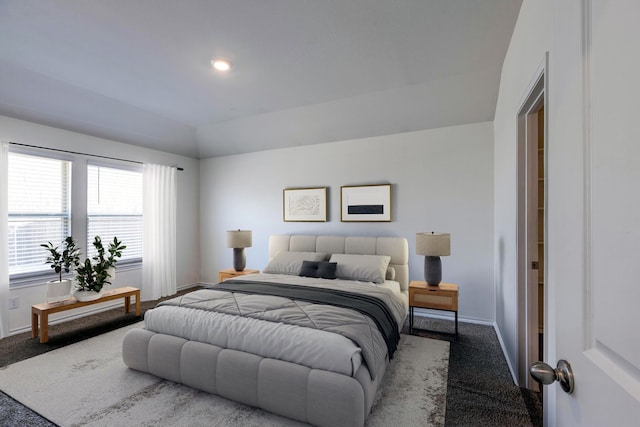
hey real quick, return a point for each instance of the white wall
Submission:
(188, 258)
(442, 180)
(532, 37)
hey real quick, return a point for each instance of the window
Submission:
(114, 208)
(39, 210)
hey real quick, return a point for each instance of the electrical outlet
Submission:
(14, 302)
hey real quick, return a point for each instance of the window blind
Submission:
(39, 209)
(114, 209)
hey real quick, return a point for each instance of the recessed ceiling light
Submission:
(221, 64)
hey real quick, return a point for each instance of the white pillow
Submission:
(365, 268)
(291, 262)
(391, 273)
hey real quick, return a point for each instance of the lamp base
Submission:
(239, 259)
(432, 270)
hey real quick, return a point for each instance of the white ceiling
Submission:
(305, 71)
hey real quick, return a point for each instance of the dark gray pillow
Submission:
(309, 269)
(327, 270)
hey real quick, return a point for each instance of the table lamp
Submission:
(238, 240)
(433, 245)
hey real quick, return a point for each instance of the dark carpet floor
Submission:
(480, 390)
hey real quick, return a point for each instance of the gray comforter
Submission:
(346, 322)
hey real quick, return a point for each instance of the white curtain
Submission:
(4, 243)
(159, 232)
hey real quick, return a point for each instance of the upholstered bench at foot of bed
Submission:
(314, 396)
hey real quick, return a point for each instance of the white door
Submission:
(594, 212)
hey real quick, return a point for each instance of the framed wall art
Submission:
(365, 203)
(304, 204)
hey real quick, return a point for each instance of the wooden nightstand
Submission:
(441, 297)
(230, 272)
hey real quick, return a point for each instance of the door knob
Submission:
(545, 374)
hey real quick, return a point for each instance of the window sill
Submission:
(42, 279)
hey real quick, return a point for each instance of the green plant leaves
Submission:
(70, 255)
(93, 273)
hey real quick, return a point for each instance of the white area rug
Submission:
(87, 384)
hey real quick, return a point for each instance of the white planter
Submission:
(87, 295)
(58, 290)
(111, 271)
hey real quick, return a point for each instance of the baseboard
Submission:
(66, 318)
(514, 374)
(445, 315)
(90, 311)
(188, 286)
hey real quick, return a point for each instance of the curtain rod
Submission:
(82, 154)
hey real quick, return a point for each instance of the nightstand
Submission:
(441, 297)
(230, 272)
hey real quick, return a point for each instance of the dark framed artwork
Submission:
(365, 203)
(304, 204)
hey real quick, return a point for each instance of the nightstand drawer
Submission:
(434, 300)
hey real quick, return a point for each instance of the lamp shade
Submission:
(239, 238)
(433, 244)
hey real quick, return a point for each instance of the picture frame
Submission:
(365, 203)
(304, 204)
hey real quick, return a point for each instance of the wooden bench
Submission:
(42, 311)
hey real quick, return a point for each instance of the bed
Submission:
(292, 340)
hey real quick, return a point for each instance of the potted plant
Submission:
(95, 273)
(61, 260)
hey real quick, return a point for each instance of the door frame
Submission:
(527, 286)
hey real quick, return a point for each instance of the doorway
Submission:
(532, 186)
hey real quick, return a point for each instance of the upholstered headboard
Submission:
(396, 247)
